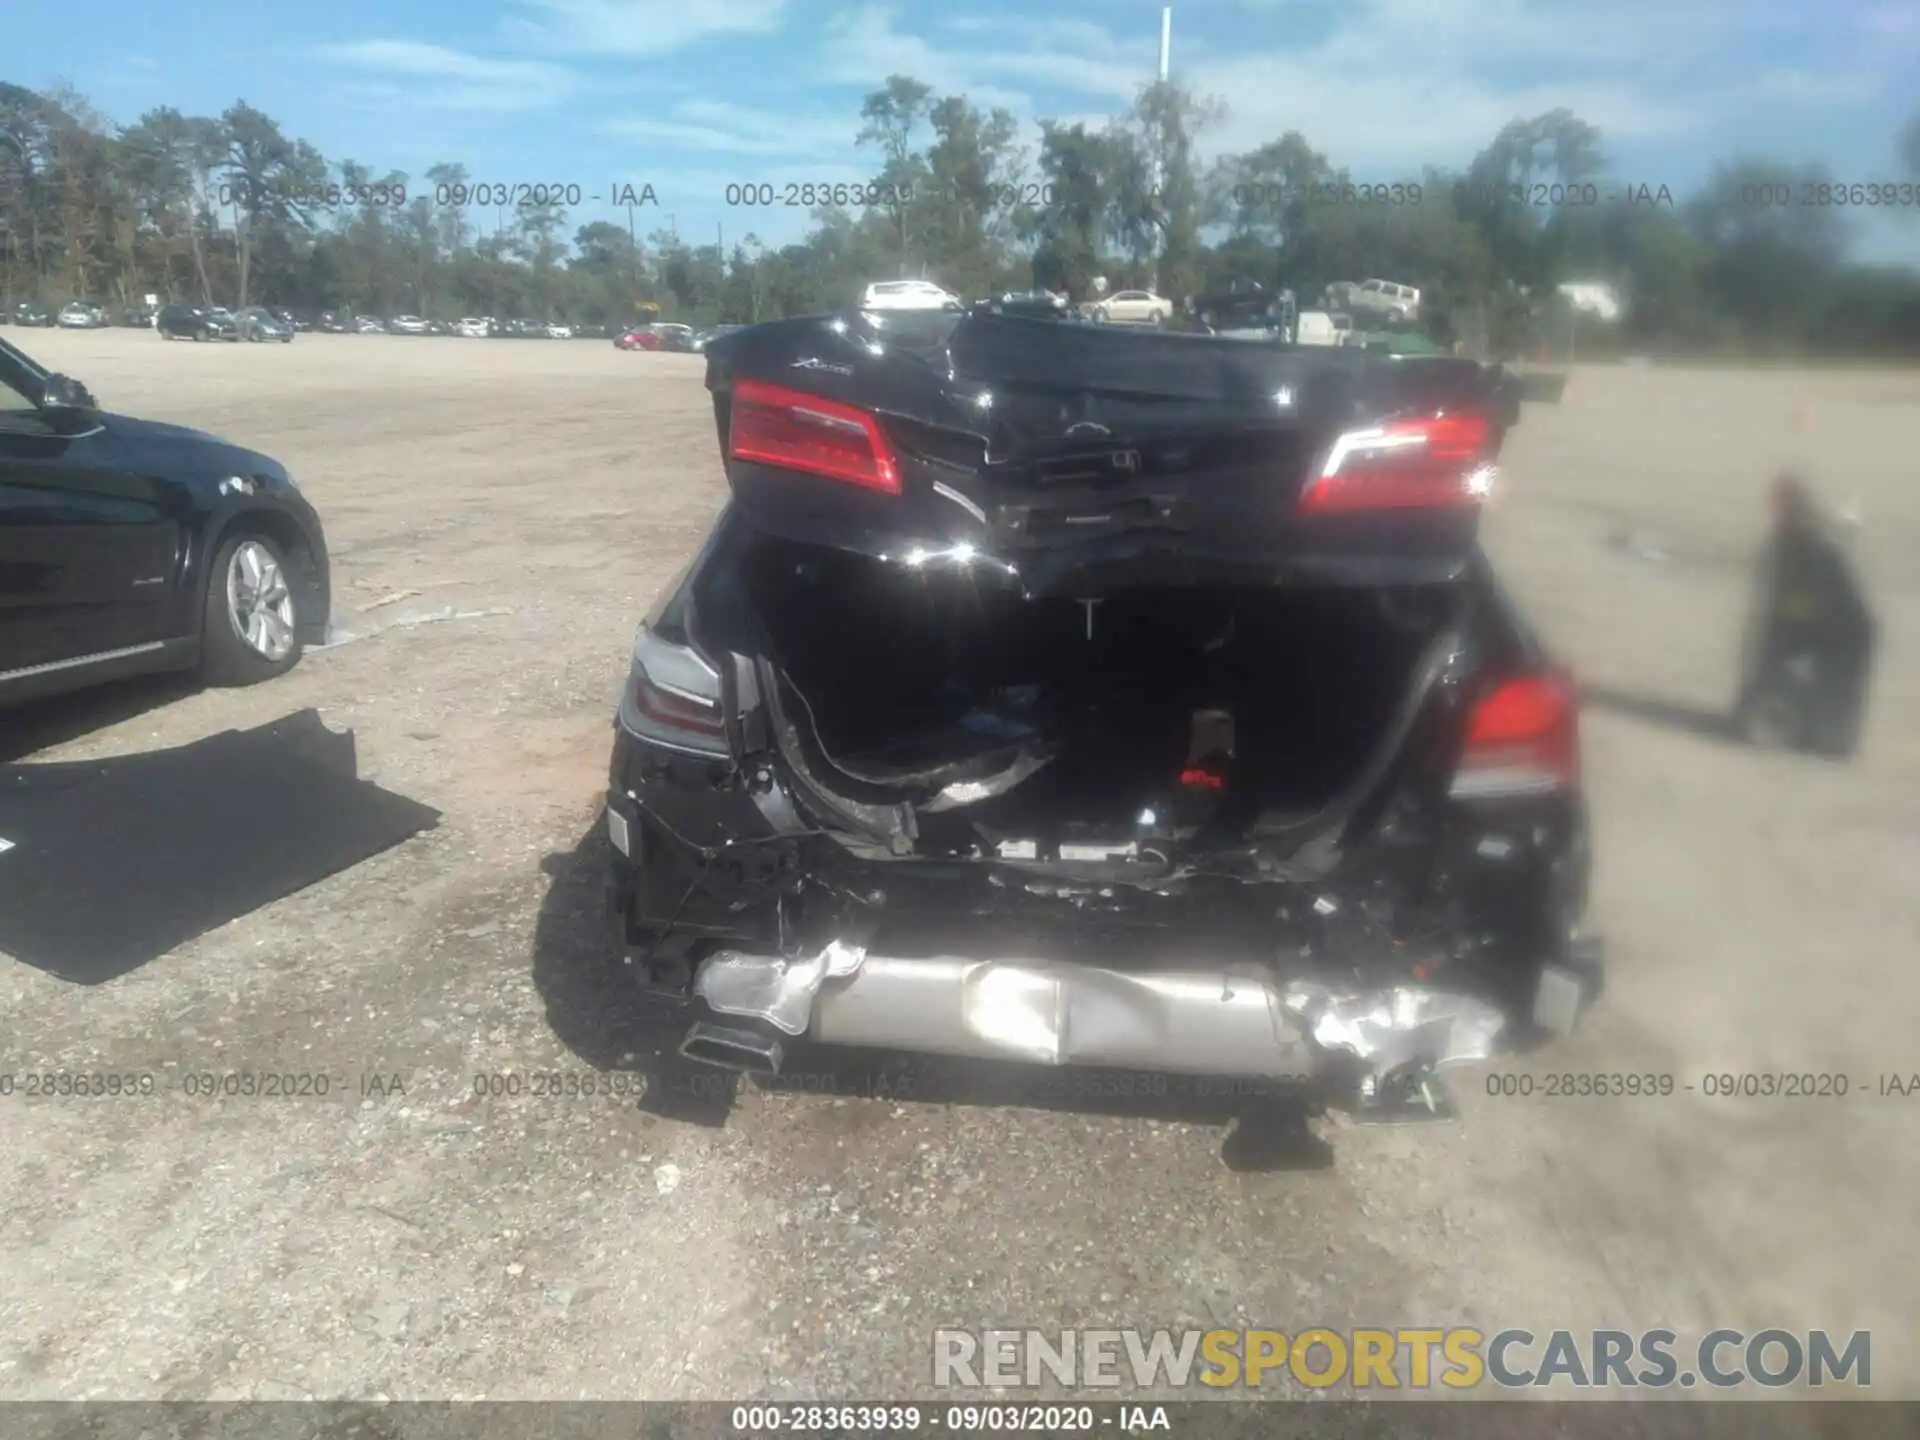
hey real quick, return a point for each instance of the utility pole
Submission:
(633, 258)
(1159, 172)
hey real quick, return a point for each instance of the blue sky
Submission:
(690, 95)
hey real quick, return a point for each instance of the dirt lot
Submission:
(428, 1245)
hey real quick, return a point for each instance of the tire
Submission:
(227, 656)
(1154, 317)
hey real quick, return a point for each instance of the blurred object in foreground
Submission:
(1810, 637)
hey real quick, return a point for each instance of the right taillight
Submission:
(1523, 738)
(1433, 462)
(774, 425)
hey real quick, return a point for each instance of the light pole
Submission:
(1159, 167)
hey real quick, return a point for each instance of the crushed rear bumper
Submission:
(1224, 1021)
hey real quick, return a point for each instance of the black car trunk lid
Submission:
(1084, 457)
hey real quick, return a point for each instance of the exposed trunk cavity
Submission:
(1045, 729)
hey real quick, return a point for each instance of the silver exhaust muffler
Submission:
(744, 1051)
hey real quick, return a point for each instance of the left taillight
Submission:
(672, 697)
(1432, 462)
(1523, 738)
(774, 425)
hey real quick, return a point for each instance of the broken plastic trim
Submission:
(1235, 1020)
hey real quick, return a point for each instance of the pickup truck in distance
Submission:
(1077, 695)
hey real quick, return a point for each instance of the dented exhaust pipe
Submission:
(744, 1051)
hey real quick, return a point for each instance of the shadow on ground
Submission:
(43, 724)
(112, 863)
(599, 1014)
(1689, 719)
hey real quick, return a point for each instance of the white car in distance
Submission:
(1381, 298)
(474, 328)
(1133, 307)
(908, 295)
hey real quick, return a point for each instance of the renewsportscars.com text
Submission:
(1413, 1358)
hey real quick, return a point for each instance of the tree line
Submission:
(230, 209)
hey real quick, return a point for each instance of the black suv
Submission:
(194, 322)
(129, 546)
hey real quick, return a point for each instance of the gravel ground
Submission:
(408, 1240)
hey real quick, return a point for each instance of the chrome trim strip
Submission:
(51, 665)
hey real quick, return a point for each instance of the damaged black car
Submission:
(1082, 696)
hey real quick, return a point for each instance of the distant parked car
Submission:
(31, 315)
(524, 329)
(908, 295)
(195, 322)
(409, 325)
(334, 322)
(293, 319)
(80, 315)
(1032, 304)
(558, 331)
(260, 325)
(662, 335)
(474, 328)
(370, 325)
(590, 332)
(1376, 299)
(1133, 307)
(139, 317)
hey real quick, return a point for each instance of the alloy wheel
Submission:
(259, 603)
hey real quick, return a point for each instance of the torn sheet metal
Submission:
(1395, 1028)
(970, 792)
(769, 988)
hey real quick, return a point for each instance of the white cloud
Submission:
(1400, 83)
(409, 74)
(1381, 85)
(640, 27)
(863, 47)
(1893, 23)
(720, 126)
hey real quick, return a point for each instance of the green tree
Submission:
(271, 181)
(893, 116)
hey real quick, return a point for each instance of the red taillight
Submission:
(672, 697)
(1436, 462)
(1196, 778)
(1523, 738)
(676, 712)
(797, 431)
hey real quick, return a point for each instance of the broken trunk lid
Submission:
(1045, 450)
